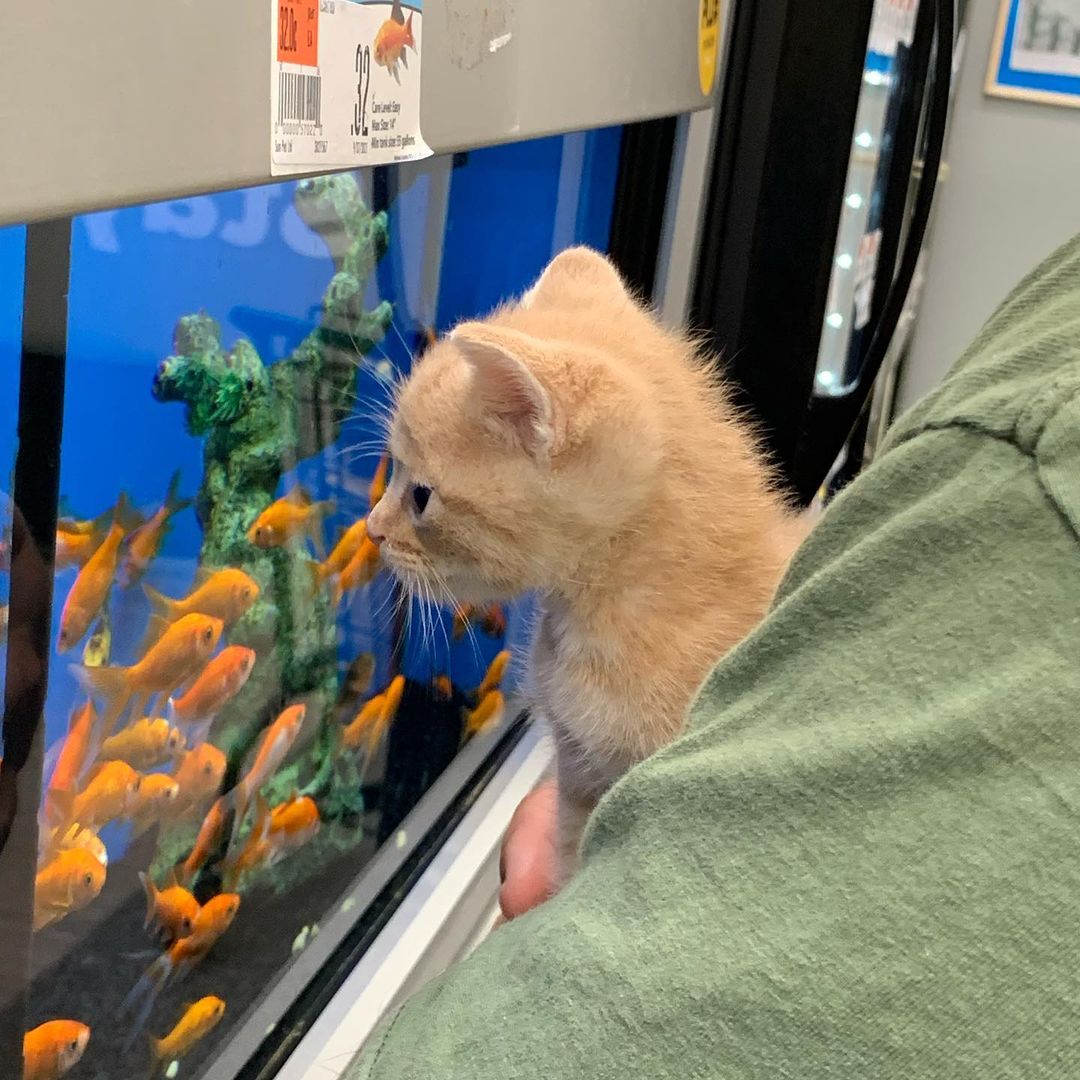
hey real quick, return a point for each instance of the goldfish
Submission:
(347, 546)
(91, 587)
(74, 837)
(210, 833)
(53, 1048)
(98, 647)
(378, 481)
(144, 543)
(74, 548)
(110, 794)
(273, 749)
(224, 594)
(291, 516)
(487, 715)
(391, 40)
(213, 919)
(199, 776)
(371, 722)
(360, 724)
(171, 912)
(494, 674)
(155, 797)
(67, 883)
(358, 678)
(443, 687)
(275, 833)
(359, 570)
(221, 679)
(196, 1023)
(145, 744)
(184, 647)
(74, 758)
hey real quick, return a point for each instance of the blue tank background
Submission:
(246, 259)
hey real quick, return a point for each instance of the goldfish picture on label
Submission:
(394, 37)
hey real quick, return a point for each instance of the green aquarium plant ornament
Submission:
(259, 421)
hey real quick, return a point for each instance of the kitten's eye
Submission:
(420, 496)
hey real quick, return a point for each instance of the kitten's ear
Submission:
(578, 276)
(504, 386)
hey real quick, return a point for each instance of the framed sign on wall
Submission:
(1036, 52)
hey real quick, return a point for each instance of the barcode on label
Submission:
(299, 98)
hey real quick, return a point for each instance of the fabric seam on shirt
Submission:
(382, 1042)
(976, 428)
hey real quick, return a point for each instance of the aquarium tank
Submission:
(245, 716)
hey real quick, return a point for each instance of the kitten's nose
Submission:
(375, 534)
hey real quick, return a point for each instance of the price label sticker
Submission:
(298, 33)
(345, 84)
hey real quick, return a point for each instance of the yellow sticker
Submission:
(708, 44)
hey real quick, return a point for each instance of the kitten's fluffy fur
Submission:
(575, 447)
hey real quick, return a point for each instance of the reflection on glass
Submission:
(851, 285)
(242, 708)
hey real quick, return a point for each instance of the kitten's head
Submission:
(521, 445)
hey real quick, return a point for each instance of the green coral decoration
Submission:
(260, 421)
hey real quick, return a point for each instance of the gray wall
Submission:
(1012, 196)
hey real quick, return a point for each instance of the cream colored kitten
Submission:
(571, 445)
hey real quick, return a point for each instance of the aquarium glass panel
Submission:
(12, 255)
(243, 711)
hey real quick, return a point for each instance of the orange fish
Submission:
(291, 516)
(275, 833)
(370, 724)
(225, 594)
(74, 548)
(145, 542)
(213, 919)
(52, 1049)
(221, 680)
(68, 883)
(110, 794)
(494, 675)
(199, 776)
(347, 546)
(156, 796)
(358, 727)
(91, 587)
(378, 481)
(273, 749)
(487, 715)
(70, 838)
(73, 760)
(171, 912)
(196, 1023)
(359, 570)
(184, 647)
(146, 743)
(210, 833)
(392, 38)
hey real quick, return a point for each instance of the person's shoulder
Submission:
(1022, 370)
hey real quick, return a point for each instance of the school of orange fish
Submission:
(156, 714)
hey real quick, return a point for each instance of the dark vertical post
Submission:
(35, 496)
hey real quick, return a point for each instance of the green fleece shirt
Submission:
(863, 857)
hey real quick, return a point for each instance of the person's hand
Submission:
(529, 862)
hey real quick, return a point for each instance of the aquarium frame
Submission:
(35, 495)
(277, 1024)
(173, 99)
(450, 908)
